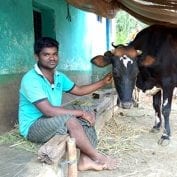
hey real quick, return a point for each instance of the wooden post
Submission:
(72, 157)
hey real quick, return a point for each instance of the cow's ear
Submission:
(148, 61)
(100, 61)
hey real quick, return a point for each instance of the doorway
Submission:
(43, 21)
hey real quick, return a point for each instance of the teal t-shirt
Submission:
(35, 87)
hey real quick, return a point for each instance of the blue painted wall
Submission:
(80, 39)
(16, 36)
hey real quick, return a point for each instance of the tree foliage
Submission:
(126, 27)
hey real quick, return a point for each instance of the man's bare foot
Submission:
(108, 162)
(102, 163)
(85, 163)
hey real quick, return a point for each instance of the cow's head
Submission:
(124, 69)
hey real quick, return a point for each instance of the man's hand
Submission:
(86, 89)
(107, 79)
(90, 117)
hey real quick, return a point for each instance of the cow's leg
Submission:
(166, 109)
(157, 108)
(136, 93)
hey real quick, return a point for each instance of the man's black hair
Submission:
(44, 42)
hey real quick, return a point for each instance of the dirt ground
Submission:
(127, 137)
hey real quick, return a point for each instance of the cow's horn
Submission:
(139, 52)
(113, 45)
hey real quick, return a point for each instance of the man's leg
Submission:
(90, 158)
(45, 128)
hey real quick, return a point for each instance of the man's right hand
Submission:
(90, 117)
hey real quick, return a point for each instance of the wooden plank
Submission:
(53, 150)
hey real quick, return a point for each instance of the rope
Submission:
(70, 162)
(112, 85)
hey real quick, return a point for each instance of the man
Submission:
(41, 115)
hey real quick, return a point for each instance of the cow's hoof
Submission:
(164, 141)
(155, 130)
(136, 104)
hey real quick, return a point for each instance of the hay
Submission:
(116, 137)
(14, 140)
(127, 137)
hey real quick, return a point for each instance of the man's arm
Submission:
(86, 89)
(50, 111)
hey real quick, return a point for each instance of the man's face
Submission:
(48, 58)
